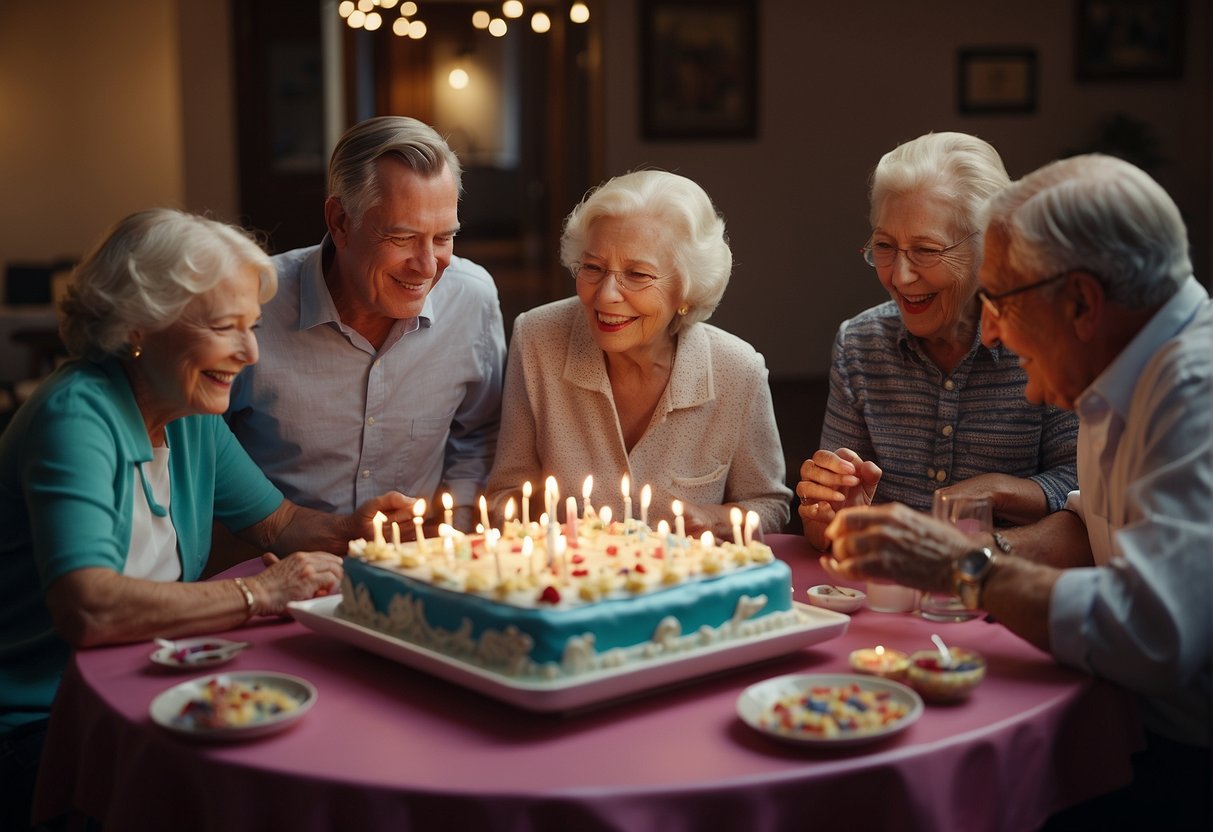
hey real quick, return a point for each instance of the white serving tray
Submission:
(587, 689)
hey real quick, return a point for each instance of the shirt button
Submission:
(376, 362)
(941, 475)
(370, 420)
(947, 430)
(931, 473)
(949, 385)
(366, 472)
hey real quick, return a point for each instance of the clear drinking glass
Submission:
(970, 515)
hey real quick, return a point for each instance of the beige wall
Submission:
(844, 82)
(93, 121)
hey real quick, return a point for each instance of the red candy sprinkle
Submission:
(640, 568)
(550, 595)
(612, 550)
(577, 559)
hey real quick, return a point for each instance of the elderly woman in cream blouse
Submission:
(626, 379)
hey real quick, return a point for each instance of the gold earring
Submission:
(136, 350)
(682, 310)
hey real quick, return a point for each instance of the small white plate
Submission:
(837, 598)
(167, 705)
(172, 658)
(756, 700)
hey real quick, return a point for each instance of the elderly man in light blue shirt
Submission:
(382, 355)
(1086, 276)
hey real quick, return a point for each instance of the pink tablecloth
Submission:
(388, 747)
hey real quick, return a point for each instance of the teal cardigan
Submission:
(70, 470)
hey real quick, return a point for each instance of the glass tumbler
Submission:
(970, 515)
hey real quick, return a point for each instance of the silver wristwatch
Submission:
(969, 575)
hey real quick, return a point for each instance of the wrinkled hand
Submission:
(895, 543)
(829, 482)
(297, 577)
(700, 518)
(396, 507)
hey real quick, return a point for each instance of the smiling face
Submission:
(387, 264)
(936, 303)
(632, 323)
(188, 367)
(1035, 326)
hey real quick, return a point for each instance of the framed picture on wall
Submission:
(1127, 39)
(699, 69)
(996, 81)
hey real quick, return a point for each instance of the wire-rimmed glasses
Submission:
(990, 299)
(633, 280)
(882, 254)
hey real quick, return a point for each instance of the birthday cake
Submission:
(531, 603)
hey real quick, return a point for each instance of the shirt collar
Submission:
(316, 305)
(1119, 379)
(910, 345)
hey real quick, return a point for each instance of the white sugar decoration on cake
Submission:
(531, 602)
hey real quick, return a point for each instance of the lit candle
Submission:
(484, 514)
(625, 486)
(509, 515)
(377, 522)
(680, 526)
(395, 533)
(605, 514)
(490, 540)
(551, 498)
(587, 488)
(448, 505)
(735, 519)
(570, 516)
(528, 550)
(526, 505)
(562, 546)
(751, 524)
(663, 533)
(448, 543)
(646, 497)
(707, 540)
(418, 511)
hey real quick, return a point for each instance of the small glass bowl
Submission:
(927, 675)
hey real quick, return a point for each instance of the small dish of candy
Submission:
(193, 653)
(940, 679)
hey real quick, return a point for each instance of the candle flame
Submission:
(419, 508)
(663, 527)
(549, 486)
(625, 486)
(379, 517)
(879, 650)
(484, 504)
(587, 488)
(735, 516)
(509, 509)
(447, 502)
(676, 507)
(526, 489)
(646, 496)
(605, 516)
(751, 519)
(707, 539)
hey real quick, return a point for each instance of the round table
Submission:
(386, 746)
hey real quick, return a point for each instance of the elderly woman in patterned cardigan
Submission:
(626, 379)
(917, 403)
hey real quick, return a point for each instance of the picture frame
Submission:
(699, 69)
(1119, 40)
(996, 80)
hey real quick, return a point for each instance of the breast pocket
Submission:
(706, 487)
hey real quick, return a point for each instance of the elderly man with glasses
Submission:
(1118, 585)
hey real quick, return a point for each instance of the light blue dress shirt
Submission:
(333, 422)
(1142, 616)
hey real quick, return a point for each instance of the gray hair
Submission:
(145, 270)
(963, 169)
(353, 173)
(702, 258)
(1097, 214)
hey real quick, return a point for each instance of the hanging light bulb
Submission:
(511, 8)
(388, 4)
(540, 22)
(417, 30)
(480, 20)
(408, 9)
(373, 21)
(497, 27)
(356, 19)
(366, 6)
(346, 7)
(458, 79)
(400, 27)
(579, 13)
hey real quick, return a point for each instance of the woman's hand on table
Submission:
(829, 482)
(298, 577)
(893, 542)
(1016, 500)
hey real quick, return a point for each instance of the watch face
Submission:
(974, 563)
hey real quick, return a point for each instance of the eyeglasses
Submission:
(629, 279)
(988, 299)
(882, 255)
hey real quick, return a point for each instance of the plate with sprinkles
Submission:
(829, 709)
(233, 706)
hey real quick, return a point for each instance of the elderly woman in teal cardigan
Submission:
(112, 472)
